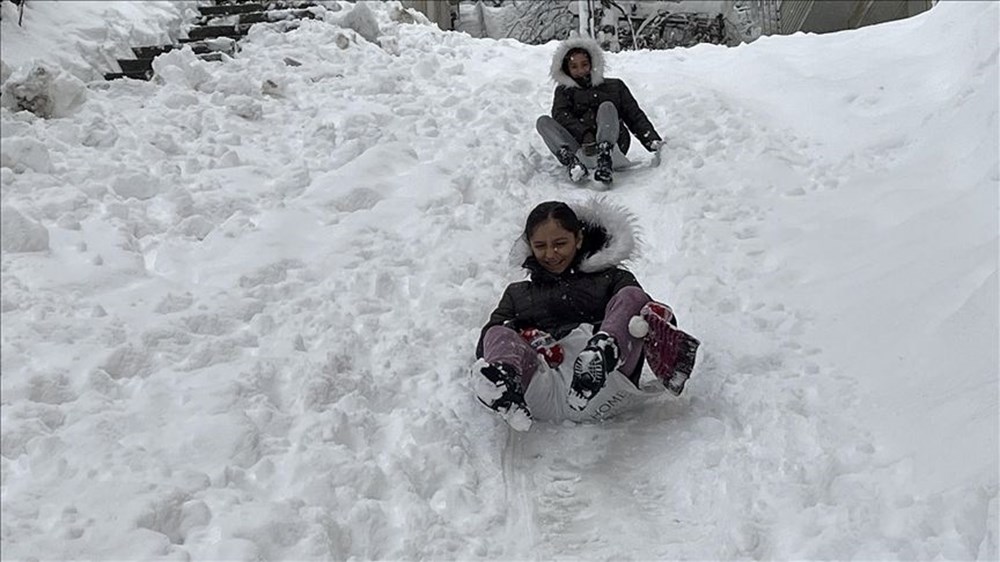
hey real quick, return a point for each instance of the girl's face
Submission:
(578, 65)
(553, 246)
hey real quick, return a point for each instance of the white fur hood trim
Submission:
(596, 61)
(619, 223)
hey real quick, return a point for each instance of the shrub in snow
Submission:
(362, 21)
(46, 93)
(21, 154)
(19, 234)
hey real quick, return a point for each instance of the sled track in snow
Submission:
(520, 515)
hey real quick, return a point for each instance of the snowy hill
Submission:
(239, 303)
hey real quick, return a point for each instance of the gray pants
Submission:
(556, 136)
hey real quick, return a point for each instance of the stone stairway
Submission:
(215, 33)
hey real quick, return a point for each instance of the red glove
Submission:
(545, 344)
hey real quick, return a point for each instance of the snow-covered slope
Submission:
(239, 303)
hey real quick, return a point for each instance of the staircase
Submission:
(215, 32)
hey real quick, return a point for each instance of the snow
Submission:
(239, 304)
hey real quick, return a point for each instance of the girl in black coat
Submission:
(575, 278)
(591, 115)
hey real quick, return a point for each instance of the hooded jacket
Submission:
(575, 103)
(559, 303)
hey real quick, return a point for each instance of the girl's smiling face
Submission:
(553, 246)
(578, 65)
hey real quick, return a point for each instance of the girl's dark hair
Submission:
(571, 52)
(555, 210)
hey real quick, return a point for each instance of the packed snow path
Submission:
(248, 333)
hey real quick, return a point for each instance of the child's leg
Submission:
(625, 304)
(556, 136)
(504, 345)
(607, 123)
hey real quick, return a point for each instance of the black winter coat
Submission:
(575, 109)
(557, 303)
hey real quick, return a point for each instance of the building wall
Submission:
(825, 16)
(438, 11)
(793, 14)
(879, 12)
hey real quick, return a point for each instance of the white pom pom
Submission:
(638, 327)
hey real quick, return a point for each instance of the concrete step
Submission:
(256, 17)
(147, 75)
(231, 9)
(209, 31)
(135, 66)
(234, 8)
(242, 13)
(142, 69)
(186, 40)
(151, 52)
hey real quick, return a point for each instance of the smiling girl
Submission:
(576, 280)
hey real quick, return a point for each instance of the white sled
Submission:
(547, 394)
(618, 160)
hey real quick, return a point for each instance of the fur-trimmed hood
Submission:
(596, 61)
(610, 238)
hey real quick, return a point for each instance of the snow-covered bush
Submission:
(43, 91)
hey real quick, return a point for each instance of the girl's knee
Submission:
(500, 332)
(632, 292)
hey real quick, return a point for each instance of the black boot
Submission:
(498, 387)
(602, 172)
(574, 167)
(591, 369)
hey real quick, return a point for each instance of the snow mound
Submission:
(21, 234)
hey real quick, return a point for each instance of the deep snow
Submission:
(239, 303)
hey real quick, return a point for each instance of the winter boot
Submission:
(574, 167)
(602, 172)
(498, 387)
(669, 351)
(591, 369)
